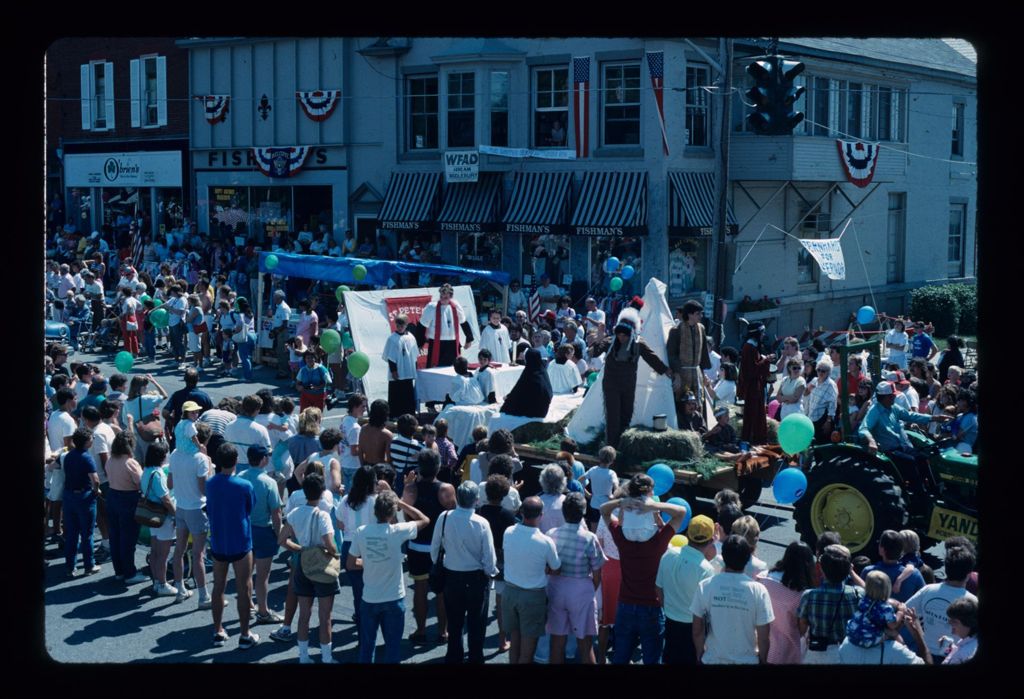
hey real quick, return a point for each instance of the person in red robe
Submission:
(754, 370)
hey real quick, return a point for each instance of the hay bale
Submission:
(537, 432)
(639, 445)
(773, 427)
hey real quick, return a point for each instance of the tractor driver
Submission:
(882, 429)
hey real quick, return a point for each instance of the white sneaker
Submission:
(136, 579)
(183, 594)
(165, 590)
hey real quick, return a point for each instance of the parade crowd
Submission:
(592, 568)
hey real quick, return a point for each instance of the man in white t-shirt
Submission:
(244, 432)
(931, 601)
(679, 575)
(59, 429)
(349, 446)
(594, 317)
(732, 613)
(529, 556)
(379, 546)
(279, 329)
(102, 437)
(188, 475)
(549, 294)
(176, 307)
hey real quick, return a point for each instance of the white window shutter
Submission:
(833, 107)
(801, 104)
(161, 90)
(866, 98)
(86, 98)
(894, 118)
(108, 83)
(136, 89)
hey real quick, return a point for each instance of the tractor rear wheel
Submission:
(853, 497)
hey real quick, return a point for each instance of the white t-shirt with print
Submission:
(735, 604)
(380, 547)
(930, 604)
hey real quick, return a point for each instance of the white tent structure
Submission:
(653, 392)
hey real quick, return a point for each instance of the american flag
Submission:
(534, 309)
(581, 98)
(136, 238)
(656, 67)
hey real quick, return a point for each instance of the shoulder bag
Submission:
(148, 513)
(437, 572)
(318, 564)
(148, 427)
(241, 334)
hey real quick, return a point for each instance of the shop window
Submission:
(687, 265)
(550, 107)
(698, 122)
(229, 213)
(272, 209)
(461, 101)
(545, 254)
(422, 113)
(480, 250)
(621, 104)
(629, 252)
(169, 209)
(499, 108)
(313, 208)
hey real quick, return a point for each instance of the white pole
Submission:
(259, 315)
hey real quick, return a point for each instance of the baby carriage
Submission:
(107, 337)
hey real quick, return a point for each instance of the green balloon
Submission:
(346, 340)
(339, 291)
(159, 318)
(330, 341)
(271, 261)
(144, 298)
(359, 272)
(615, 284)
(157, 303)
(358, 364)
(592, 378)
(124, 361)
(796, 433)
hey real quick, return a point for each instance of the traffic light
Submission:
(773, 95)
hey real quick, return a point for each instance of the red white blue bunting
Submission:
(216, 107)
(318, 104)
(859, 160)
(281, 162)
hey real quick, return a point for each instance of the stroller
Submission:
(107, 337)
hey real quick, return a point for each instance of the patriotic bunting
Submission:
(281, 162)
(581, 100)
(656, 67)
(318, 104)
(216, 107)
(859, 160)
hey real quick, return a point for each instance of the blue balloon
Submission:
(663, 478)
(628, 272)
(686, 519)
(611, 265)
(865, 315)
(789, 486)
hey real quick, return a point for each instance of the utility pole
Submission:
(721, 230)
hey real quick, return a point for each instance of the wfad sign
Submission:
(144, 169)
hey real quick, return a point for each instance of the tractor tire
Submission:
(853, 497)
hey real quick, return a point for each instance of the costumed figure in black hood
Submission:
(620, 367)
(531, 396)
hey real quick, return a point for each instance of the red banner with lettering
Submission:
(411, 306)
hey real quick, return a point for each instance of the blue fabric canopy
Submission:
(378, 272)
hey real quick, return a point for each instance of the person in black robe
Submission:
(531, 396)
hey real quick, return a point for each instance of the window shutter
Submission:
(86, 98)
(802, 103)
(894, 118)
(833, 107)
(108, 82)
(866, 98)
(161, 90)
(136, 88)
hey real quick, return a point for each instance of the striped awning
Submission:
(692, 204)
(540, 203)
(411, 201)
(611, 203)
(472, 207)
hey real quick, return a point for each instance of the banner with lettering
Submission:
(411, 306)
(281, 162)
(461, 166)
(529, 153)
(829, 255)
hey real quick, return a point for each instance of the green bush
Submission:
(967, 297)
(939, 305)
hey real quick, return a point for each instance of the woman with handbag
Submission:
(124, 475)
(310, 533)
(156, 494)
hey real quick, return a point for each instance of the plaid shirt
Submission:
(818, 606)
(578, 550)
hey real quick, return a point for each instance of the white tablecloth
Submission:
(433, 384)
(463, 418)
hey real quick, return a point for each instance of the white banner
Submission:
(461, 166)
(368, 323)
(829, 255)
(144, 169)
(527, 153)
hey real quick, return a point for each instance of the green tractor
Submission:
(860, 495)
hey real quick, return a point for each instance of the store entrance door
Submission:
(313, 207)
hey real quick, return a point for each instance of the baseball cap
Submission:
(721, 411)
(884, 388)
(701, 530)
(190, 406)
(256, 454)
